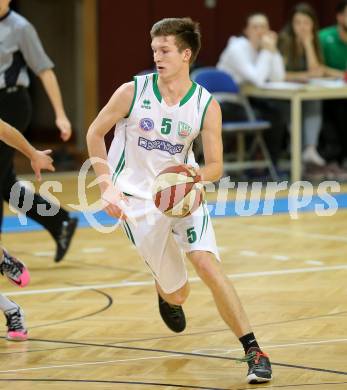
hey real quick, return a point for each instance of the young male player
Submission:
(158, 116)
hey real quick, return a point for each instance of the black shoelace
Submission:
(14, 321)
(175, 310)
(10, 266)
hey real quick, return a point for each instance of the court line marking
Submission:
(192, 280)
(90, 363)
(326, 237)
(194, 353)
(142, 384)
(274, 346)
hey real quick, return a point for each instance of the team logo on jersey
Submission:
(146, 124)
(146, 104)
(184, 129)
(160, 144)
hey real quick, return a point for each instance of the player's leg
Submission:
(170, 307)
(196, 236)
(16, 329)
(225, 296)
(232, 312)
(60, 225)
(177, 297)
(154, 241)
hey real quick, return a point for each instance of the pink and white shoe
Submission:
(15, 270)
(16, 330)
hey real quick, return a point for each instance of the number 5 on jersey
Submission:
(166, 126)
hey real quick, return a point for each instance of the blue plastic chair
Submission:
(221, 85)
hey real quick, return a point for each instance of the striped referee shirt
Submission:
(20, 47)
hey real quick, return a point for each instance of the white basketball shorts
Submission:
(163, 241)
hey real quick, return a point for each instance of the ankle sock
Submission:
(249, 341)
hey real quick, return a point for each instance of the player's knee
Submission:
(205, 266)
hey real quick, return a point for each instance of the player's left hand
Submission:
(64, 126)
(42, 160)
(198, 176)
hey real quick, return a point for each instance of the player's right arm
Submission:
(116, 109)
(39, 159)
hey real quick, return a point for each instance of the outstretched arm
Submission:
(39, 159)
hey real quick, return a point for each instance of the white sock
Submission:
(311, 155)
(6, 304)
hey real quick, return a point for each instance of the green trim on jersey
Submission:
(119, 168)
(199, 98)
(189, 94)
(155, 87)
(188, 150)
(204, 113)
(128, 232)
(134, 98)
(144, 88)
(183, 101)
(204, 221)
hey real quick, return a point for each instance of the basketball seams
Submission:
(177, 191)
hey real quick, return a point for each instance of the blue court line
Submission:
(12, 224)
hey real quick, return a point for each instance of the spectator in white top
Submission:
(254, 58)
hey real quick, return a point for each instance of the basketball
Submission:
(177, 191)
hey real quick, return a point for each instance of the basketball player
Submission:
(13, 268)
(157, 118)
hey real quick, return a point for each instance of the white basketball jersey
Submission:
(155, 136)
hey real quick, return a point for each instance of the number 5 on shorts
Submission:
(191, 235)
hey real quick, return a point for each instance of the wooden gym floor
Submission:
(94, 324)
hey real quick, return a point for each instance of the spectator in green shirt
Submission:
(333, 42)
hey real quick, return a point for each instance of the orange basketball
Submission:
(177, 191)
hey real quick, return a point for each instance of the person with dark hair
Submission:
(333, 41)
(299, 45)
(20, 47)
(254, 58)
(152, 111)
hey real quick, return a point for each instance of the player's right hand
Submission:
(111, 199)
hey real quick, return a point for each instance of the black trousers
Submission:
(15, 109)
(333, 137)
(268, 110)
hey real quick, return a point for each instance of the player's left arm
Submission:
(211, 135)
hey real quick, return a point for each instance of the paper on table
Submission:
(283, 85)
(328, 83)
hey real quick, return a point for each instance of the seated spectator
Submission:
(254, 58)
(299, 45)
(333, 41)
